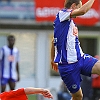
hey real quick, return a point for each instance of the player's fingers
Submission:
(53, 67)
(48, 95)
(56, 67)
(52, 64)
(47, 92)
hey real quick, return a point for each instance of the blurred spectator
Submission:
(63, 94)
(6, 0)
(86, 87)
(96, 84)
(9, 57)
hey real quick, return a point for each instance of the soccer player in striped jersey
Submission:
(22, 93)
(9, 58)
(66, 53)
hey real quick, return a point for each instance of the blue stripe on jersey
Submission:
(2, 63)
(77, 48)
(60, 39)
(10, 64)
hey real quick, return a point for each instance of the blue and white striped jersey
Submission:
(9, 58)
(67, 45)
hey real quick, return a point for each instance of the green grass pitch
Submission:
(32, 97)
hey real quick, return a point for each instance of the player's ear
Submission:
(73, 6)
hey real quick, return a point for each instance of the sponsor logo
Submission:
(11, 58)
(47, 11)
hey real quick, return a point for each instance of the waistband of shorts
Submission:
(67, 63)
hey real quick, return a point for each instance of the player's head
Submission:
(11, 40)
(72, 4)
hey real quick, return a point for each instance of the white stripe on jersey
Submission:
(66, 36)
(10, 58)
(71, 50)
(63, 15)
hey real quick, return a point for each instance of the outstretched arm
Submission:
(44, 92)
(83, 9)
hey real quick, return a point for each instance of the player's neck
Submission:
(11, 47)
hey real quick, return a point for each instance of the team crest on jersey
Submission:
(11, 58)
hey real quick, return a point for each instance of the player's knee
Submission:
(78, 96)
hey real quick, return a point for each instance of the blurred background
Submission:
(31, 22)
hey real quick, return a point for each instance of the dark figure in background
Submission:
(96, 84)
(86, 87)
(9, 58)
(5, 0)
(63, 94)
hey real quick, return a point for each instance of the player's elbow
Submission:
(83, 11)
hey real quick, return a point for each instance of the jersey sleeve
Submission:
(18, 94)
(1, 53)
(64, 15)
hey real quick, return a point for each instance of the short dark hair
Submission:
(10, 36)
(70, 2)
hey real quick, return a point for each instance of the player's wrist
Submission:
(52, 61)
(41, 90)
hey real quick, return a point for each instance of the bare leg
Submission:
(78, 95)
(3, 87)
(96, 68)
(12, 85)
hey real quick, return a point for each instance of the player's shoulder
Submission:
(15, 49)
(65, 10)
(4, 47)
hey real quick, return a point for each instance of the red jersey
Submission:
(18, 94)
(95, 81)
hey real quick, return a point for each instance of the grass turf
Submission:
(32, 97)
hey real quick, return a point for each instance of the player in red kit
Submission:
(21, 94)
